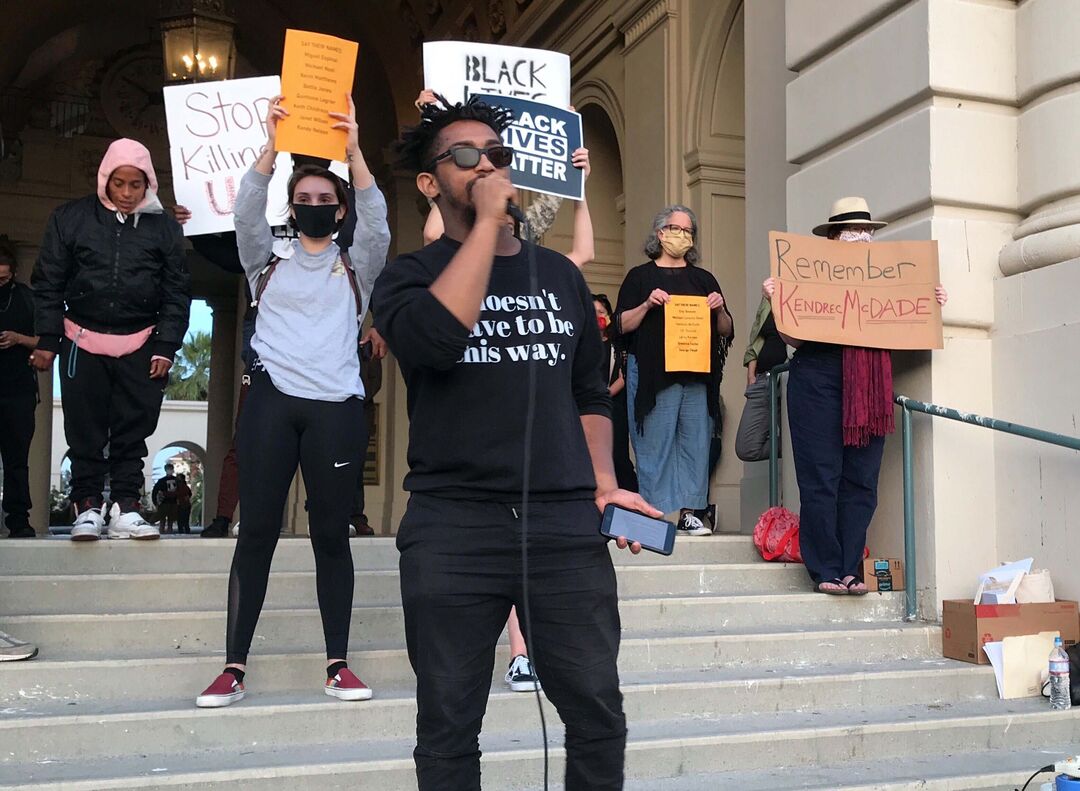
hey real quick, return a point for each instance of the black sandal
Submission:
(844, 591)
(852, 591)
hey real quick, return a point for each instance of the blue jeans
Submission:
(837, 483)
(673, 452)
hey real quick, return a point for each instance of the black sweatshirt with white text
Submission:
(468, 387)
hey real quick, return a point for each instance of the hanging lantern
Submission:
(197, 40)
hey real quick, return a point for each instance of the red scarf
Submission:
(868, 395)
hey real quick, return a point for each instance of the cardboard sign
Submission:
(458, 69)
(687, 335)
(316, 77)
(879, 294)
(544, 139)
(216, 130)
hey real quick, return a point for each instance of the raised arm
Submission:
(584, 245)
(371, 234)
(433, 225)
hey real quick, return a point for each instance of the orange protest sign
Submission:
(687, 335)
(316, 75)
(878, 294)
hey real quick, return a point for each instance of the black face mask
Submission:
(316, 222)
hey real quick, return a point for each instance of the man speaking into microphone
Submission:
(465, 325)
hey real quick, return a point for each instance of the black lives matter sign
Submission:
(459, 69)
(544, 139)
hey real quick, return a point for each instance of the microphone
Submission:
(515, 212)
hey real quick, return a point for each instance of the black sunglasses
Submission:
(466, 157)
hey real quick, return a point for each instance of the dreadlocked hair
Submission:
(415, 149)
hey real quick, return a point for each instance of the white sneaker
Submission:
(235, 530)
(130, 525)
(352, 531)
(692, 525)
(88, 525)
(521, 677)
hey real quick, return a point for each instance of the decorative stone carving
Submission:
(646, 20)
(496, 17)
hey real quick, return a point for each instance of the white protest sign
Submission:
(216, 130)
(458, 69)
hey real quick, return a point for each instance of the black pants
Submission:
(183, 518)
(460, 574)
(837, 483)
(327, 439)
(108, 402)
(620, 443)
(16, 433)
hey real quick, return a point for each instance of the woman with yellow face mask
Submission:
(671, 412)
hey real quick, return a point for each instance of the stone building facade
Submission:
(951, 116)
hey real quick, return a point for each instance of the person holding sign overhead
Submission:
(305, 402)
(677, 329)
(840, 408)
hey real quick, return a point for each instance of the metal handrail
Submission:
(907, 406)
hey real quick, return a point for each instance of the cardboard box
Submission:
(883, 574)
(966, 626)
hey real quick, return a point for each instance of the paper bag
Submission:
(1035, 586)
(1020, 663)
(998, 586)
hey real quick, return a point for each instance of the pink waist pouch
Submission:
(103, 343)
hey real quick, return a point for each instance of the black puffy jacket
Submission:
(114, 277)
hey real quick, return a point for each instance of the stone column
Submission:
(652, 55)
(1037, 320)
(767, 171)
(221, 399)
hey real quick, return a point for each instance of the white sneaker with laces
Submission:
(521, 677)
(88, 525)
(692, 525)
(130, 525)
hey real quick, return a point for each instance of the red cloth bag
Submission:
(776, 536)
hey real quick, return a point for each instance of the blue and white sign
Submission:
(544, 139)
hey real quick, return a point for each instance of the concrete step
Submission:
(48, 680)
(41, 594)
(57, 556)
(658, 749)
(1001, 770)
(137, 634)
(64, 732)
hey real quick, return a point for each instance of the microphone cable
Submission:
(526, 470)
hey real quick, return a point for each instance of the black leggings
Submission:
(329, 440)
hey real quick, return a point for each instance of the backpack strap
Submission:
(352, 282)
(264, 279)
(268, 271)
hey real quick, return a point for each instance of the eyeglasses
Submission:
(678, 229)
(467, 157)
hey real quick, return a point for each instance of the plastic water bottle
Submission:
(1060, 694)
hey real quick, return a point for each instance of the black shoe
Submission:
(219, 528)
(23, 531)
(361, 526)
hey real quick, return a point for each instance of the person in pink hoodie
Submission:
(111, 296)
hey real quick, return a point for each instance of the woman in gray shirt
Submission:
(305, 404)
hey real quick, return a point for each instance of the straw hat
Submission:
(848, 211)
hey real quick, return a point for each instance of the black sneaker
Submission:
(21, 531)
(690, 524)
(521, 677)
(219, 528)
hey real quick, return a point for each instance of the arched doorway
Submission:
(188, 459)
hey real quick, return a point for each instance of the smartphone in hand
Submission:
(655, 535)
